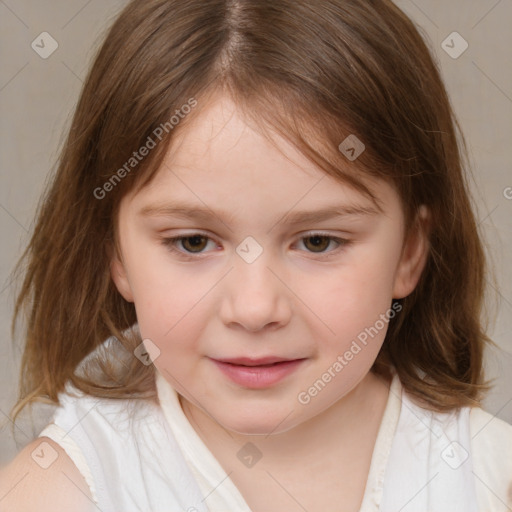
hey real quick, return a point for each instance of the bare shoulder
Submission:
(42, 477)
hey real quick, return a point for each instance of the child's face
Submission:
(303, 298)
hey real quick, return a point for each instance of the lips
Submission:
(257, 373)
(248, 361)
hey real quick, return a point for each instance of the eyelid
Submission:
(342, 243)
(171, 242)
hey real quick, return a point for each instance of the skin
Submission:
(293, 301)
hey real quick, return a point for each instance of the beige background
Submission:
(37, 97)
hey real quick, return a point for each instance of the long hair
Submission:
(313, 71)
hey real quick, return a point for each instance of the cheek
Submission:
(352, 299)
(167, 298)
(171, 319)
(169, 309)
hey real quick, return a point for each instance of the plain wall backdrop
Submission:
(38, 95)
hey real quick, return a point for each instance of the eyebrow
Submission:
(200, 213)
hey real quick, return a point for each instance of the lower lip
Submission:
(257, 377)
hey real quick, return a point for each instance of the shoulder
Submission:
(491, 444)
(469, 449)
(491, 439)
(97, 418)
(42, 477)
(487, 427)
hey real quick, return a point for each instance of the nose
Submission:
(254, 296)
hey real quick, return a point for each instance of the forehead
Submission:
(220, 159)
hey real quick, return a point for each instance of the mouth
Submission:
(257, 373)
(262, 361)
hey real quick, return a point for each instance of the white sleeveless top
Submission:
(139, 456)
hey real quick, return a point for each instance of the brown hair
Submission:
(315, 71)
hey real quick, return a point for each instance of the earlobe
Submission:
(118, 274)
(414, 256)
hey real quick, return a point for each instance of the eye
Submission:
(194, 244)
(317, 243)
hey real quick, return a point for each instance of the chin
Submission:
(253, 429)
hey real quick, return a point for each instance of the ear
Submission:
(414, 255)
(119, 276)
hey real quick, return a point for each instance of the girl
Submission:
(256, 281)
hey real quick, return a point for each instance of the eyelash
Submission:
(171, 243)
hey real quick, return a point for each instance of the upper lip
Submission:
(249, 361)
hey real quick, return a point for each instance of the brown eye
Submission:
(194, 243)
(318, 243)
(189, 247)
